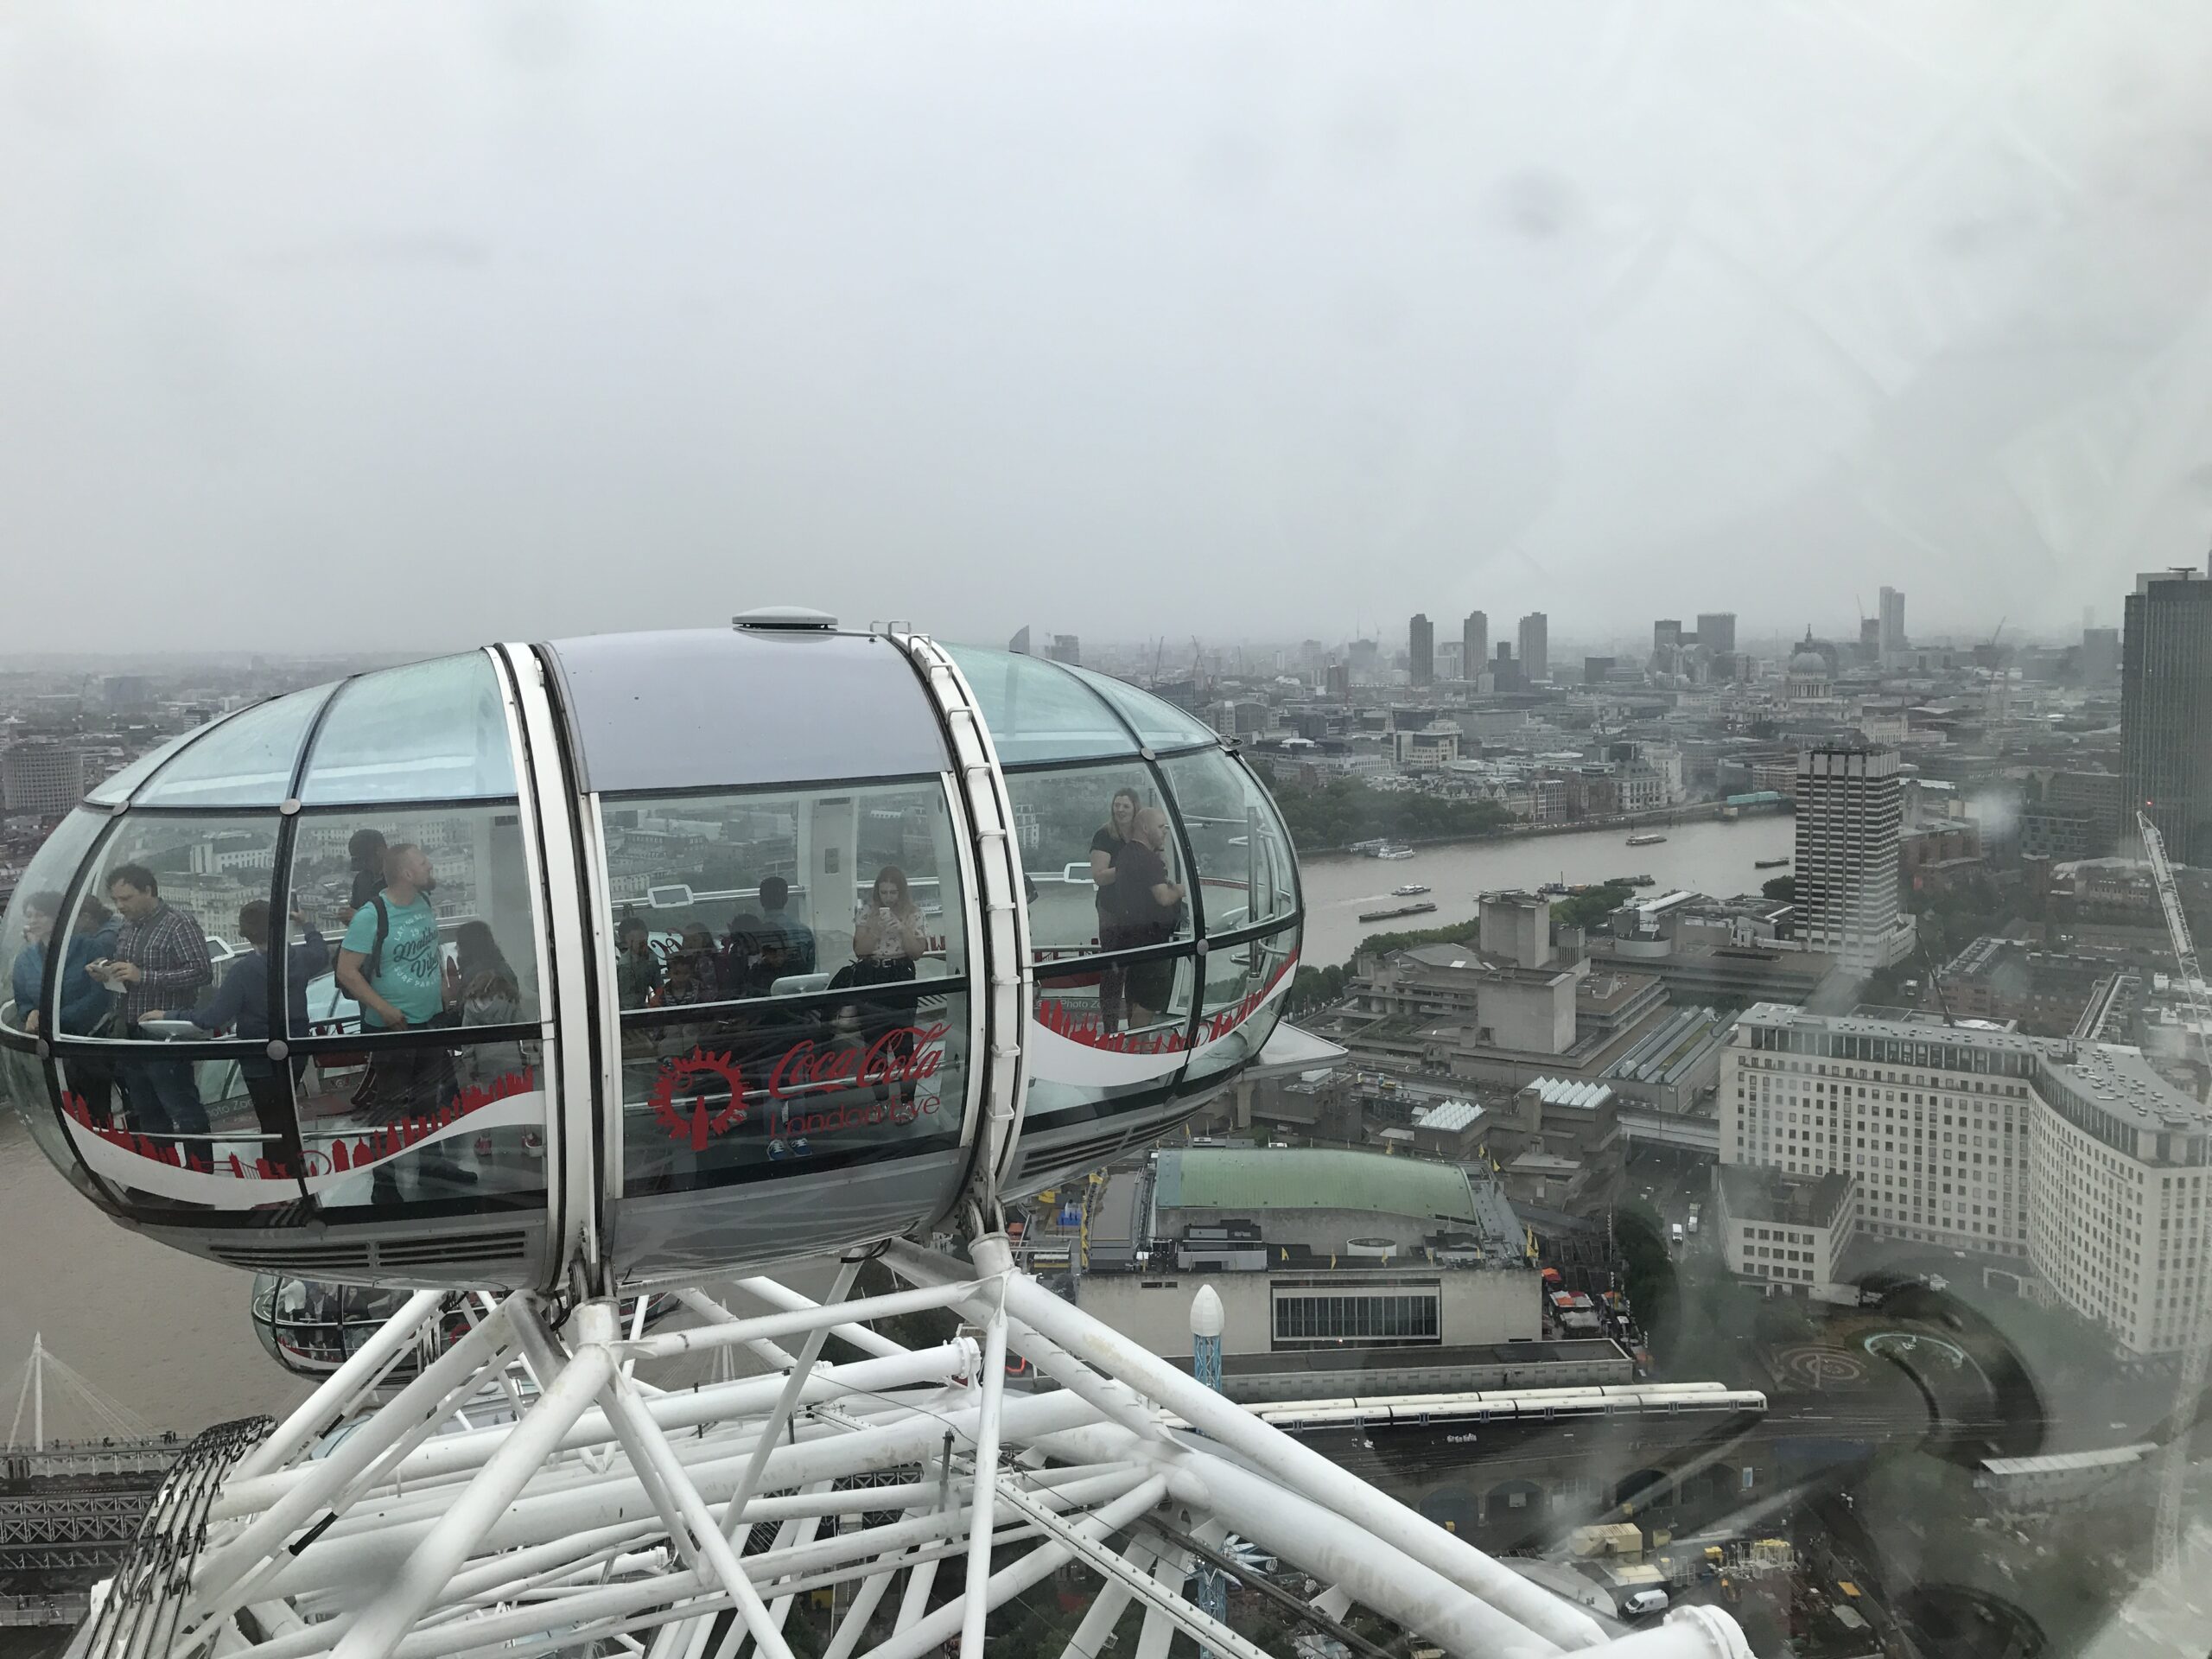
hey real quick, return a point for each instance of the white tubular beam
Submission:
(392, 1613)
(786, 1401)
(1113, 1568)
(992, 1255)
(1106, 1607)
(1037, 1565)
(785, 1298)
(418, 1408)
(922, 1574)
(721, 1560)
(1168, 1575)
(865, 1599)
(774, 1357)
(1300, 1466)
(670, 1344)
(1687, 1633)
(1372, 1567)
(372, 1552)
(337, 1393)
(717, 1403)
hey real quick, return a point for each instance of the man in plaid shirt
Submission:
(160, 962)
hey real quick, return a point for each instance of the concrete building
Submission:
(1891, 617)
(2043, 992)
(1420, 650)
(2100, 655)
(1772, 1227)
(1506, 674)
(42, 779)
(1320, 1249)
(2072, 1164)
(1536, 647)
(1065, 648)
(1716, 632)
(2165, 723)
(1433, 747)
(1850, 807)
(1474, 644)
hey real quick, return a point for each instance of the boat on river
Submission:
(1392, 915)
(1769, 863)
(1411, 890)
(1649, 838)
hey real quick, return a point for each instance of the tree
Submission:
(1343, 810)
(1783, 887)
(1587, 909)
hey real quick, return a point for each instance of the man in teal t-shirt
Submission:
(404, 983)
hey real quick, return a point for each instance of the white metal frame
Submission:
(527, 1493)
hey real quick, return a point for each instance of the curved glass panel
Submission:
(701, 708)
(826, 1082)
(109, 791)
(1245, 871)
(1158, 721)
(461, 951)
(458, 1124)
(434, 731)
(1071, 823)
(167, 911)
(33, 915)
(1107, 1040)
(722, 897)
(248, 760)
(1245, 987)
(1038, 711)
(86, 1088)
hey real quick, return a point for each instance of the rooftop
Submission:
(1752, 1193)
(1252, 1181)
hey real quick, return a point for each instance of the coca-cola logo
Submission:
(689, 1106)
(906, 1055)
(702, 1120)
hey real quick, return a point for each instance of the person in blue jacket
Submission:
(240, 1006)
(87, 1006)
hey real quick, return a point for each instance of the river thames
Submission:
(1704, 856)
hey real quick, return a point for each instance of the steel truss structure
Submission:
(528, 1493)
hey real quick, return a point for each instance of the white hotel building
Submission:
(2073, 1164)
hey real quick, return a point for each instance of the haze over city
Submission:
(1267, 314)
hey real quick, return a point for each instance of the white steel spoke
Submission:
(525, 1493)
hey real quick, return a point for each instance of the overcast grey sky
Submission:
(403, 325)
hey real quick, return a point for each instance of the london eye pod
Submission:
(683, 952)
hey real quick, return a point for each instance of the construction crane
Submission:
(2188, 1385)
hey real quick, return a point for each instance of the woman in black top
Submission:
(1105, 848)
(1151, 912)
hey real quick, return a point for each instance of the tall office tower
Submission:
(1361, 657)
(1420, 650)
(42, 779)
(1869, 638)
(2100, 655)
(1666, 635)
(1474, 644)
(1065, 648)
(1339, 682)
(1506, 674)
(1716, 632)
(1535, 649)
(1850, 807)
(1891, 616)
(2165, 709)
